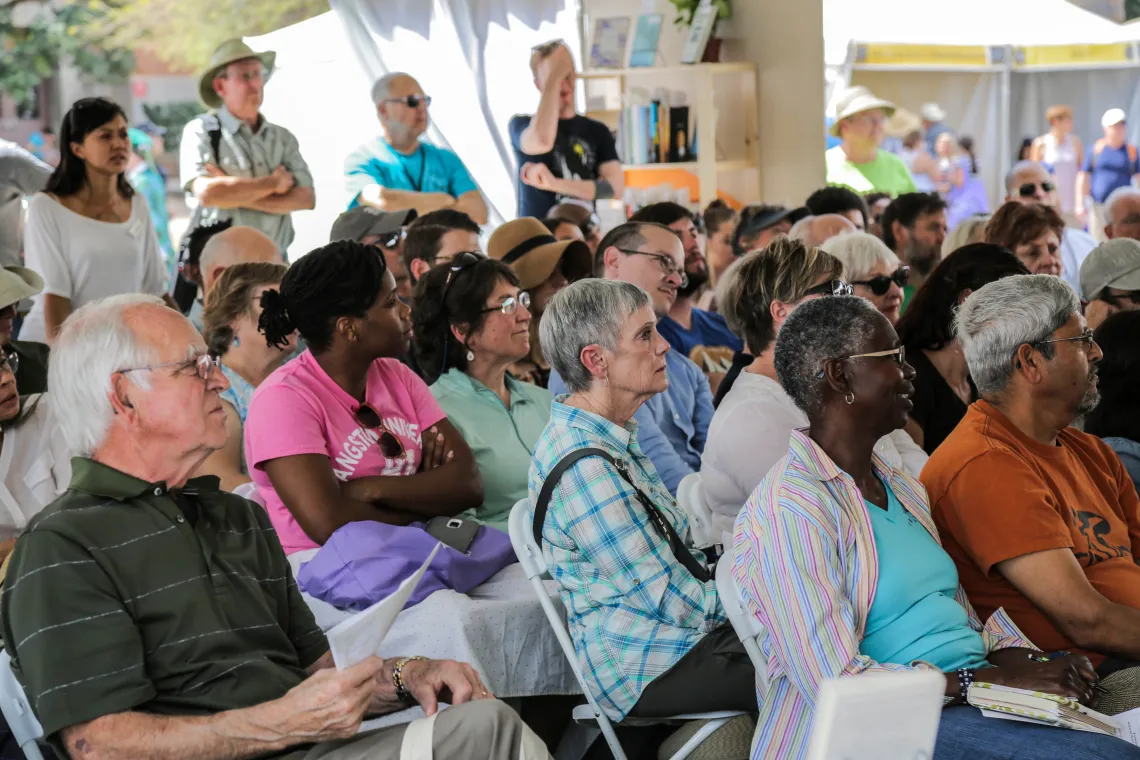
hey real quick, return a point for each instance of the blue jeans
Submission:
(965, 734)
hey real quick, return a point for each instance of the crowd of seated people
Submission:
(923, 440)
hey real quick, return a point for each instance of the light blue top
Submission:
(239, 394)
(914, 615)
(1129, 452)
(429, 169)
(672, 426)
(501, 439)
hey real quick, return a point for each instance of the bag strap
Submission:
(663, 526)
(215, 143)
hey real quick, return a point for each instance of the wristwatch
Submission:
(402, 692)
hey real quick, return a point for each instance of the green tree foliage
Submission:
(185, 32)
(33, 54)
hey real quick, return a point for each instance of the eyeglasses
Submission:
(11, 360)
(830, 288)
(202, 364)
(1087, 337)
(411, 101)
(512, 304)
(390, 445)
(898, 355)
(1029, 189)
(257, 75)
(881, 283)
(668, 266)
(1132, 296)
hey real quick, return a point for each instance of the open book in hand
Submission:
(1052, 710)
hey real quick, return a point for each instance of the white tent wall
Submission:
(973, 101)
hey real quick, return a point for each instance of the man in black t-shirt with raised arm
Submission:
(559, 153)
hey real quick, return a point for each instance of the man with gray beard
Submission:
(1040, 518)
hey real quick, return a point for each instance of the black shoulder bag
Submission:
(663, 526)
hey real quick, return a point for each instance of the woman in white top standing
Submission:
(88, 234)
(34, 464)
(752, 426)
(1062, 154)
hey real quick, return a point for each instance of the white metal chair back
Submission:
(17, 711)
(747, 627)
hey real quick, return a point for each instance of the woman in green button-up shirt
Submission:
(471, 323)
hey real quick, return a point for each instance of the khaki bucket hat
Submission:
(857, 100)
(229, 52)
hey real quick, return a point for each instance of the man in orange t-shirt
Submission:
(1040, 518)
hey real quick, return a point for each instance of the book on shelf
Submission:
(654, 134)
(1008, 703)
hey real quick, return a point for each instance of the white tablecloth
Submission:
(499, 628)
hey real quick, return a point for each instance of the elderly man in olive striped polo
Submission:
(149, 614)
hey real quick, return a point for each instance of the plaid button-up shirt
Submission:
(633, 609)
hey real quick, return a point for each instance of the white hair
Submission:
(1114, 199)
(93, 344)
(969, 230)
(999, 317)
(382, 87)
(860, 253)
(1018, 168)
(586, 313)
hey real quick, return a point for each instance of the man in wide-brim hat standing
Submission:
(857, 162)
(233, 163)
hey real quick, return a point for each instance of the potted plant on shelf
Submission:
(686, 9)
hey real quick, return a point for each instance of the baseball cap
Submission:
(1112, 264)
(933, 112)
(1113, 116)
(363, 221)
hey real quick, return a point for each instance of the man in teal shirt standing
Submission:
(857, 162)
(397, 171)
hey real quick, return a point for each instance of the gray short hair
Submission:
(93, 344)
(382, 87)
(999, 317)
(1114, 198)
(1018, 168)
(583, 314)
(860, 253)
(825, 328)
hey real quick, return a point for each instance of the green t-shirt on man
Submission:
(885, 173)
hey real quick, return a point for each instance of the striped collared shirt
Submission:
(632, 608)
(806, 562)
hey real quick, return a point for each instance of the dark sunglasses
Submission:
(1029, 189)
(830, 288)
(390, 240)
(412, 101)
(390, 445)
(881, 283)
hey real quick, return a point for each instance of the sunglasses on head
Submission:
(830, 288)
(390, 445)
(1029, 189)
(412, 101)
(881, 283)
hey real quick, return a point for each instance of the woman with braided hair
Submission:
(345, 432)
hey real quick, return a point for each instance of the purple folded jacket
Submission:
(364, 562)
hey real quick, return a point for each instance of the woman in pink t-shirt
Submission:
(346, 432)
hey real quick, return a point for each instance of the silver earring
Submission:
(470, 355)
(849, 398)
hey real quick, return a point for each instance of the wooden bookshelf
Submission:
(737, 82)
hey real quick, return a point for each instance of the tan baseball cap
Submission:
(1112, 264)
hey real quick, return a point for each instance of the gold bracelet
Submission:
(402, 692)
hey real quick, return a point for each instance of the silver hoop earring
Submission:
(470, 355)
(849, 398)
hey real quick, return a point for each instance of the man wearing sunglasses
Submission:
(233, 163)
(1031, 182)
(397, 170)
(383, 230)
(560, 153)
(1040, 518)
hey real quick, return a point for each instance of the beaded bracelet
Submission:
(402, 692)
(965, 681)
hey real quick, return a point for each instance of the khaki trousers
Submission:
(484, 729)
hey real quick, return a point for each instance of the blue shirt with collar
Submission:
(428, 169)
(709, 331)
(672, 426)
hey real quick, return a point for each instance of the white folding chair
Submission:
(691, 498)
(18, 711)
(519, 526)
(747, 627)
